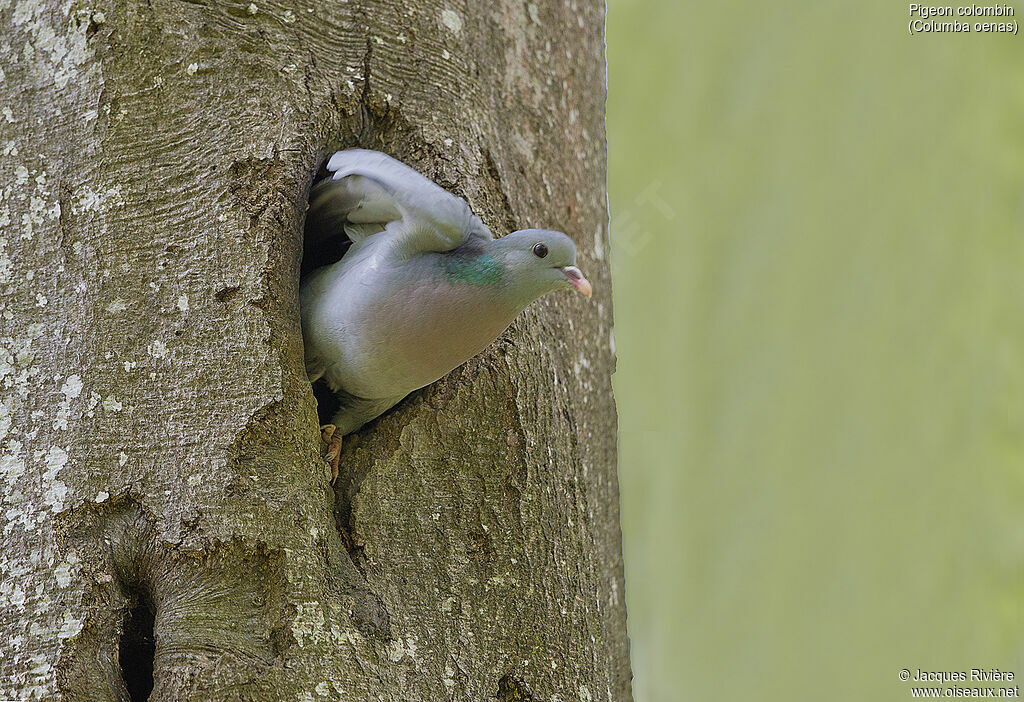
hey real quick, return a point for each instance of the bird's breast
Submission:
(409, 328)
(437, 328)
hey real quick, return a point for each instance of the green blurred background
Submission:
(818, 259)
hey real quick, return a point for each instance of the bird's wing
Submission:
(370, 191)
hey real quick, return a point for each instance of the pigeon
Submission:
(423, 287)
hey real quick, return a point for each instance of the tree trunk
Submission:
(168, 519)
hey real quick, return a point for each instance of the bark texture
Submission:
(159, 444)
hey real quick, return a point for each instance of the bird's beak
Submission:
(575, 276)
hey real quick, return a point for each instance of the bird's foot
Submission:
(346, 539)
(333, 451)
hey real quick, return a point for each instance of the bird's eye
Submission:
(540, 250)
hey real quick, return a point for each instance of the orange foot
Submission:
(346, 539)
(333, 452)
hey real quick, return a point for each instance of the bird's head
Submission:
(542, 261)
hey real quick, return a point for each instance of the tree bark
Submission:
(168, 519)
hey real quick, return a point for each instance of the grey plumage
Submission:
(423, 287)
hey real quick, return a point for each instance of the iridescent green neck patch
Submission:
(472, 270)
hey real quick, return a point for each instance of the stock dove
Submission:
(423, 287)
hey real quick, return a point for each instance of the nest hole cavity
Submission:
(137, 647)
